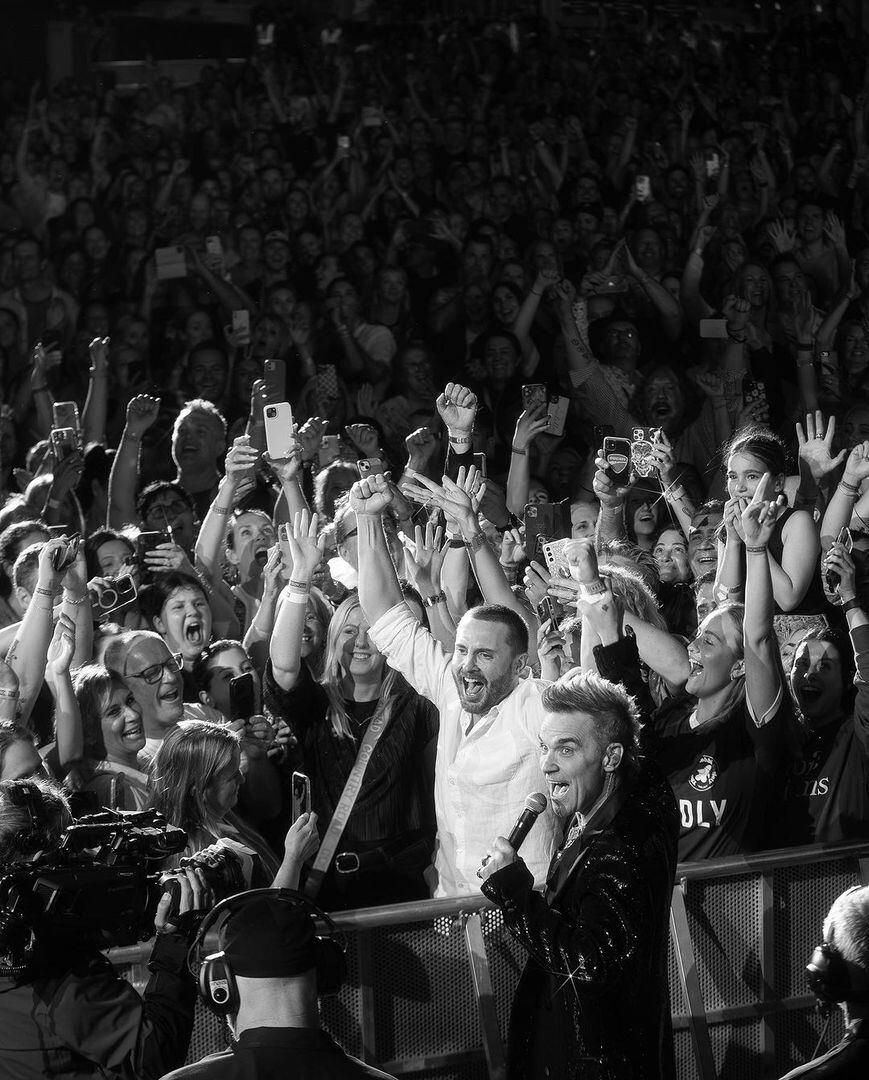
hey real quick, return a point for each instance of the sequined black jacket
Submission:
(592, 1002)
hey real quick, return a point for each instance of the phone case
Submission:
(558, 407)
(534, 394)
(370, 466)
(279, 430)
(64, 441)
(545, 522)
(329, 451)
(171, 262)
(618, 455)
(241, 326)
(65, 415)
(641, 450)
(243, 697)
(300, 791)
(556, 563)
(275, 376)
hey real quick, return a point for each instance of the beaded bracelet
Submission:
(850, 489)
(69, 599)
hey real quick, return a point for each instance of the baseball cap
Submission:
(270, 938)
(277, 234)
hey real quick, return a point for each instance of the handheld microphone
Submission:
(534, 806)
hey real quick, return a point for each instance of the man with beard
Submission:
(592, 999)
(490, 716)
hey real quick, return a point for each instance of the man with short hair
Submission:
(38, 304)
(595, 986)
(198, 444)
(271, 949)
(839, 974)
(143, 661)
(490, 716)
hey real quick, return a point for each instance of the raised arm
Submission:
(142, 411)
(379, 589)
(424, 557)
(234, 484)
(529, 425)
(841, 506)
(93, 417)
(763, 678)
(285, 648)
(27, 653)
(67, 718)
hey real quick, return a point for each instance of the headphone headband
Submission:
(213, 971)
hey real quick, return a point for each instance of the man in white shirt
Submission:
(487, 753)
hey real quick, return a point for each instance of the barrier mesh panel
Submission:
(408, 1000)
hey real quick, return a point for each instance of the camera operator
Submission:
(66, 1013)
(838, 973)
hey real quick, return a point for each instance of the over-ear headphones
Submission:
(830, 978)
(210, 966)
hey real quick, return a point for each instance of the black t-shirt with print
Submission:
(725, 775)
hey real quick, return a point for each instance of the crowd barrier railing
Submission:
(430, 983)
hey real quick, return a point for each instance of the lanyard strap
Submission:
(345, 805)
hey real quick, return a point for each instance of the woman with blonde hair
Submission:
(389, 834)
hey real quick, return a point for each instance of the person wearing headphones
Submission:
(64, 1011)
(838, 974)
(259, 963)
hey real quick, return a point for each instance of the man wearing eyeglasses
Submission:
(153, 674)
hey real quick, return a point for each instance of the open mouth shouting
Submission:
(194, 634)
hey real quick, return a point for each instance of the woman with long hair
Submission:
(794, 547)
(195, 777)
(390, 831)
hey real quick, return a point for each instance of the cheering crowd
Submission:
(354, 396)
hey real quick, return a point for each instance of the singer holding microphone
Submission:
(593, 998)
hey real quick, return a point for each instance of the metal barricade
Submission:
(430, 983)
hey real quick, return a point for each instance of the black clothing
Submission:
(280, 1054)
(395, 805)
(827, 787)
(848, 1060)
(726, 774)
(593, 998)
(74, 1017)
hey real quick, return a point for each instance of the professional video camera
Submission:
(101, 884)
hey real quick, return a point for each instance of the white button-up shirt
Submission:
(486, 765)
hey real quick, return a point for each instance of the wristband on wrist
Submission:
(756, 550)
(304, 586)
(461, 439)
(9, 693)
(475, 541)
(518, 452)
(222, 511)
(294, 597)
(437, 598)
(850, 489)
(40, 389)
(456, 542)
(805, 346)
(849, 605)
(41, 591)
(592, 591)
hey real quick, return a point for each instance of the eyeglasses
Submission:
(154, 672)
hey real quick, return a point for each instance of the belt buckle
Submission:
(346, 862)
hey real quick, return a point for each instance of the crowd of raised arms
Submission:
(574, 337)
